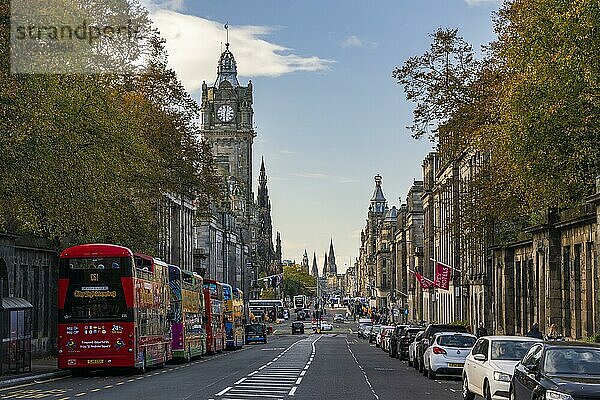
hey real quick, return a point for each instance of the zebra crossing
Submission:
(277, 379)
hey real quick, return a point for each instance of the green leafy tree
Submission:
(296, 282)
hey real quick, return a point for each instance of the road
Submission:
(334, 365)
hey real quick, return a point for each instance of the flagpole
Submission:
(445, 265)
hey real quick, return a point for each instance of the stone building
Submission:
(409, 253)
(367, 259)
(551, 274)
(29, 270)
(385, 261)
(304, 263)
(176, 235)
(238, 232)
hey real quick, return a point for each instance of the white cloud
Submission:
(481, 2)
(194, 45)
(355, 41)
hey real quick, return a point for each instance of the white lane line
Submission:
(222, 392)
(252, 373)
(298, 381)
(291, 393)
(302, 373)
(240, 381)
(363, 371)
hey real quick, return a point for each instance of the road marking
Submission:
(293, 391)
(95, 390)
(80, 394)
(363, 371)
(302, 373)
(240, 381)
(222, 392)
(298, 381)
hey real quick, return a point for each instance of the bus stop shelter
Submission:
(15, 335)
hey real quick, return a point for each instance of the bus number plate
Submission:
(95, 361)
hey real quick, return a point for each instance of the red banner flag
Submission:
(424, 282)
(443, 274)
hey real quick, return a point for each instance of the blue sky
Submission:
(328, 114)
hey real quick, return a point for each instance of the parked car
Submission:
(338, 318)
(412, 350)
(393, 347)
(407, 336)
(385, 338)
(297, 327)
(301, 315)
(425, 341)
(256, 333)
(373, 333)
(558, 370)
(326, 326)
(363, 331)
(447, 353)
(379, 336)
(490, 366)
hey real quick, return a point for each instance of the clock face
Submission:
(225, 113)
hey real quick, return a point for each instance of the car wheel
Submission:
(430, 373)
(424, 367)
(511, 393)
(421, 366)
(467, 394)
(410, 363)
(486, 391)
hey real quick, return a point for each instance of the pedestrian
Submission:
(553, 334)
(534, 332)
(481, 331)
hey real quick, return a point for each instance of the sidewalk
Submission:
(41, 369)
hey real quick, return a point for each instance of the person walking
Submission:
(553, 334)
(481, 331)
(534, 332)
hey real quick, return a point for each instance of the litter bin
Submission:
(15, 335)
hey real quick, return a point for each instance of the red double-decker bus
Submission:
(214, 308)
(112, 309)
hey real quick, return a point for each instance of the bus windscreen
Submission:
(95, 291)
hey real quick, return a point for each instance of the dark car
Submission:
(301, 315)
(558, 370)
(407, 336)
(392, 349)
(425, 341)
(373, 333)
(256, 333)
(297, 327)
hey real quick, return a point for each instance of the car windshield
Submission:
(413, 332)
(456, 341)
(572, 361)
(255, 329)
(510, 349)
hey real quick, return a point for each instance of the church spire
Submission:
(227, 67)
(378, 201)
(325, 265)
(315, 269)
(263, 190)
(332, 267)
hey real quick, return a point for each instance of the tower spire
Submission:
(227, 67)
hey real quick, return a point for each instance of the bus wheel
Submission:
(188, 356)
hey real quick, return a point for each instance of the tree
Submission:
(87, 158)
(439, 81)
(295, 281)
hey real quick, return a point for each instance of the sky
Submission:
(328, 114)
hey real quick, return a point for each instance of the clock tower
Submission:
(227, 124)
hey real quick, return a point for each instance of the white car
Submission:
(447, 353)
(326, 326)
(490, 366)
(412, 347)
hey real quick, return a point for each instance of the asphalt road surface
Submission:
(334, 365)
